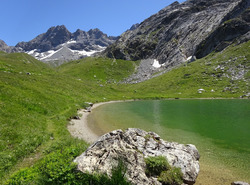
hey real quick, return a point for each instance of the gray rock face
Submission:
(173, 34)
(47, 41)
(4, 47)
(234, 30)
(134, 26)
(132, 146)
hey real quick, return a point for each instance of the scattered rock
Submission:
(227, 89)
(90, 104)
(76, 117)
(132, 146)
(187, 75)
(88, 109)
(200, 91)
(239, 183)
(245, 96)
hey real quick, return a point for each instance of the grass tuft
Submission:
(159, 167)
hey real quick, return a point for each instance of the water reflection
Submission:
(157, 116)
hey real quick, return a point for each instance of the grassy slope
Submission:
(34, 108)
(97, 69)
(185, 81)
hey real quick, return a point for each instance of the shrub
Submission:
(171, 177)
(155, 165)
(57, 168)
(118, 174)
(159, 167)
(24, 176)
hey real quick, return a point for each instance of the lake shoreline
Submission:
(219, 173)
(80, 128)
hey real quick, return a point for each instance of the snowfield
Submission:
(64, 53)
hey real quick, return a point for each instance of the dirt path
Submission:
(79, 127)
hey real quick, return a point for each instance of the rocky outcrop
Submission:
(4, 47)
(234, 30)
(47, 41)
(132, 146)
(173, 34)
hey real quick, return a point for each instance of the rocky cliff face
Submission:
(234, 30)
(47, 41)
(4, 47)
(181, 31)
(132, 146)
(58, 44)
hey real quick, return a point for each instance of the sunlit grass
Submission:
(36, 100)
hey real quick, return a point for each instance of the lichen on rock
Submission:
(132, 146)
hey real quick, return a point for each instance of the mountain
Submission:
(4, 47)
(182, 32)
(9, 49)
(58, 44)
(176, 34)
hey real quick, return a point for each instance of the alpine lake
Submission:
(219, 128)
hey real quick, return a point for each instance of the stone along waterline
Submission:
(219, 129)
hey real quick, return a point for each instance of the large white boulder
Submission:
(132, 146)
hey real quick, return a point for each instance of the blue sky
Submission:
(22, 20)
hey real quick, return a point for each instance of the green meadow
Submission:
(37, 101)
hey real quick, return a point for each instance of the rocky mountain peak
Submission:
(79, 34)
(4, 47)
(96, 33)
(3, 44)
(176, 3)
(58, 30)
(134, 26)
(95, 30)
(57, 35)
(55, 29)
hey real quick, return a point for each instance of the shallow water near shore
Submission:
(220, 129)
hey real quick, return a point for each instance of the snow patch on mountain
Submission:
(64, 53)
(71, 42)
(156, 64)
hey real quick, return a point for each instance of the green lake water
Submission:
(220, 129)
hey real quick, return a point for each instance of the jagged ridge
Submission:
(59, 44)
